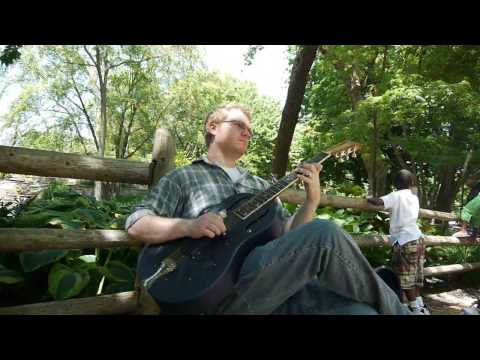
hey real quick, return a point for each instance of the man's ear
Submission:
(211, 127)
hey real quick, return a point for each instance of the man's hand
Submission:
(207, 225)
(310, 175)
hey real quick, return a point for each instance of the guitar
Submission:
(192, 276)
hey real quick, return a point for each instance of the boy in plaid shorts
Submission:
(408, 245)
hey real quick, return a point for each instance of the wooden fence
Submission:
(55, 164)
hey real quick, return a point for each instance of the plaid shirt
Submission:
(185, 192)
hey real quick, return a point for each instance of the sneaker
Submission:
(425, 310)
(419, 311)
(470, 311)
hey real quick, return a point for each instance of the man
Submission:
(310, 269)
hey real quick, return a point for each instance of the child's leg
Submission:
(405, 265)
(420, 275)
(411, 294)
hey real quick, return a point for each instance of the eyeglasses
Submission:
(241, 125)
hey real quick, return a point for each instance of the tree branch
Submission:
(85, 112)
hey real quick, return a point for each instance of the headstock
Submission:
(343, 150)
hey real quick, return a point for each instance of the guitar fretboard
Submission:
(265, 196)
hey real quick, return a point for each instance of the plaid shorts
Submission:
(407, 263)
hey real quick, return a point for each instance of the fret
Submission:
(266, 195)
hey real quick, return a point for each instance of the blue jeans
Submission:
(316, 268)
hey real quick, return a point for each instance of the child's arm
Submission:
(375, 201)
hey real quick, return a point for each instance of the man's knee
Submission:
(324, 230)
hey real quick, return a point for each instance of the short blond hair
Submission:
(220, 114)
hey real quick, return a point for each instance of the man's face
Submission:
(234, 133)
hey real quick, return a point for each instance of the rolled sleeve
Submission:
(163, 200)
(137, 215)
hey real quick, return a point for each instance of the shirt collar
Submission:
(204, 159)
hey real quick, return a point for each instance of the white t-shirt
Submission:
(234, 173)
(403, 206)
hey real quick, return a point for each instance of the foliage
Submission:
(412, 107)
(61, 93)
(31, 276)
(10, 54)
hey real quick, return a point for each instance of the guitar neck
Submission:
(266, 196)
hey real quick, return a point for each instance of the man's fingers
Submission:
(305, 179)
(208, 233)
(217, 220)
(313, 168)
(214, 223)
(214, 228)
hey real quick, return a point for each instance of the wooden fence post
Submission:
(163, 155)
(163, 160)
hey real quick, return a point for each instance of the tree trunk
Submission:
(377, 176)
(448, 190)
(102, 131)
(296, 90)
(374, 157)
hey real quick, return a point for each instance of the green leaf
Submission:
(32, 220)
(92, 287)
(82, 202)
(4, 222)
(60, 205)
(65, 282)
(88, 258)
(8, 276)
(118, 271)
(32, 260)
(356, 229)
(75, 253)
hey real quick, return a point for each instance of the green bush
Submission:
(35, 276)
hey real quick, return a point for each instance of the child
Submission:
(408, 245)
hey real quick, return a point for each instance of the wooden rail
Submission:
(342, 202)
(55, 164)
(120, 303)
(125, 303)
(21, 239)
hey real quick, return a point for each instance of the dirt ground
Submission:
(450, 296)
